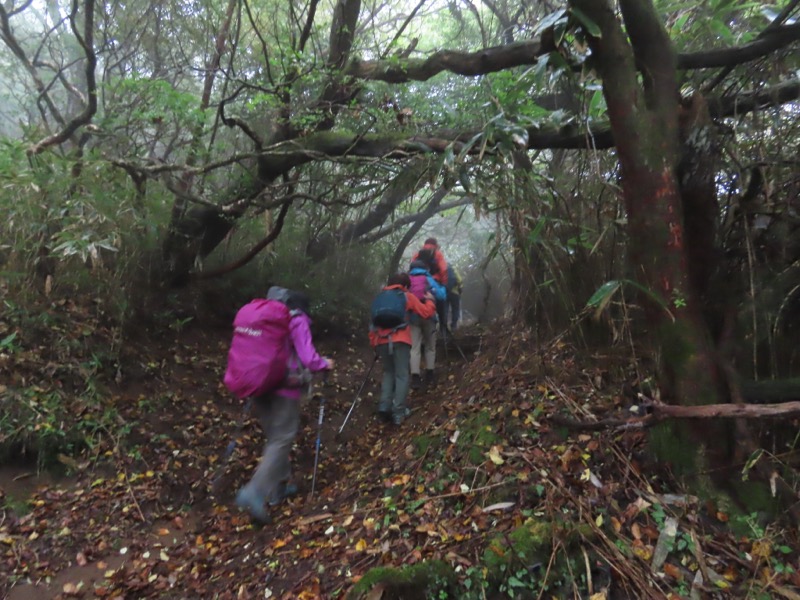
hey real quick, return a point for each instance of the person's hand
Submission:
(429, 296)
(330, 363)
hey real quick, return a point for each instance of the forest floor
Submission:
(136, 516)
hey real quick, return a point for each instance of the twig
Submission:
(133, 497)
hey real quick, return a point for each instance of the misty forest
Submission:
(614, 411)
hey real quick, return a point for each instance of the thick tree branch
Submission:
(731, 106)
(306, 33)
(776, 23)
(334, 145)
(526, 53)
(662, 412)
(772, 40)
(488, 60)
(655, 56)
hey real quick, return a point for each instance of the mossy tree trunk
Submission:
(645, 125)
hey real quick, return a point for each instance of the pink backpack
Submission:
(419, 285)
(259, 354)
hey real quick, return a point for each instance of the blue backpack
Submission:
(389, 310)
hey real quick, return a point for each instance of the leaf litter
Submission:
(477, 459)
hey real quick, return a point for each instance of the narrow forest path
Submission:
(477, 470)
(120, 525)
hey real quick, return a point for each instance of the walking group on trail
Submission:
(272, 357)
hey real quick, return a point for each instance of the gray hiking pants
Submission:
(280, 418)
(394, 388)
(423, 333)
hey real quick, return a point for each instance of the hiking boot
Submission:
(430, 377)
(247, 500)
(416, 381)
(398, 418)
(289, 490)
(385, 414)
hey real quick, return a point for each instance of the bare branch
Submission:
(87, 43)
(423, 216)
(252, 253)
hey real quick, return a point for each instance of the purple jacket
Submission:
(300, 335)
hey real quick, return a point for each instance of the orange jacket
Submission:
(425, 309)
(441, 275)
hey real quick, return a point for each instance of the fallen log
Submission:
(662, 412)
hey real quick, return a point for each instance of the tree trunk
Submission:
(645, 126)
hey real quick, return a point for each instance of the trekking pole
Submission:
(363, 383)
(319, 441)
(226, 456)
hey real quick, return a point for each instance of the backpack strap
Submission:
(390, 333)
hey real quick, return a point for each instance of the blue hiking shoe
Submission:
(247, 500)
(289, 490)
(399, 417)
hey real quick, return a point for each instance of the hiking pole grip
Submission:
(360, 389)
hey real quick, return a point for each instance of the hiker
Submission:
(391, 337)
(453, 304)
(423, 331)
(431, 254)
(279, 412)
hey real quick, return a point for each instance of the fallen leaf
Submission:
(498, 506)
(361, 545)
(494, 455)
(672, 571)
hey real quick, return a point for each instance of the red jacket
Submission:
(441, 263)
(424, 308)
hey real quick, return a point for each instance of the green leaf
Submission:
(550, 20)
(590, 26)
(603, 295)
(6, 341)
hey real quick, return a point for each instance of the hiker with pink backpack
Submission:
(423, 330)
(270, 361)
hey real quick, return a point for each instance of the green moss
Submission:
(529, 544)
(429, 579)
(477, 436)
(672, 443)
(755, 496)
(422, 443)
(519, 557)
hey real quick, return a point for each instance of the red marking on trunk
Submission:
(676, 231)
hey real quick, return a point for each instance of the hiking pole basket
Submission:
(358, 394)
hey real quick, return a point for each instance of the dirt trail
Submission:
(123, 523)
